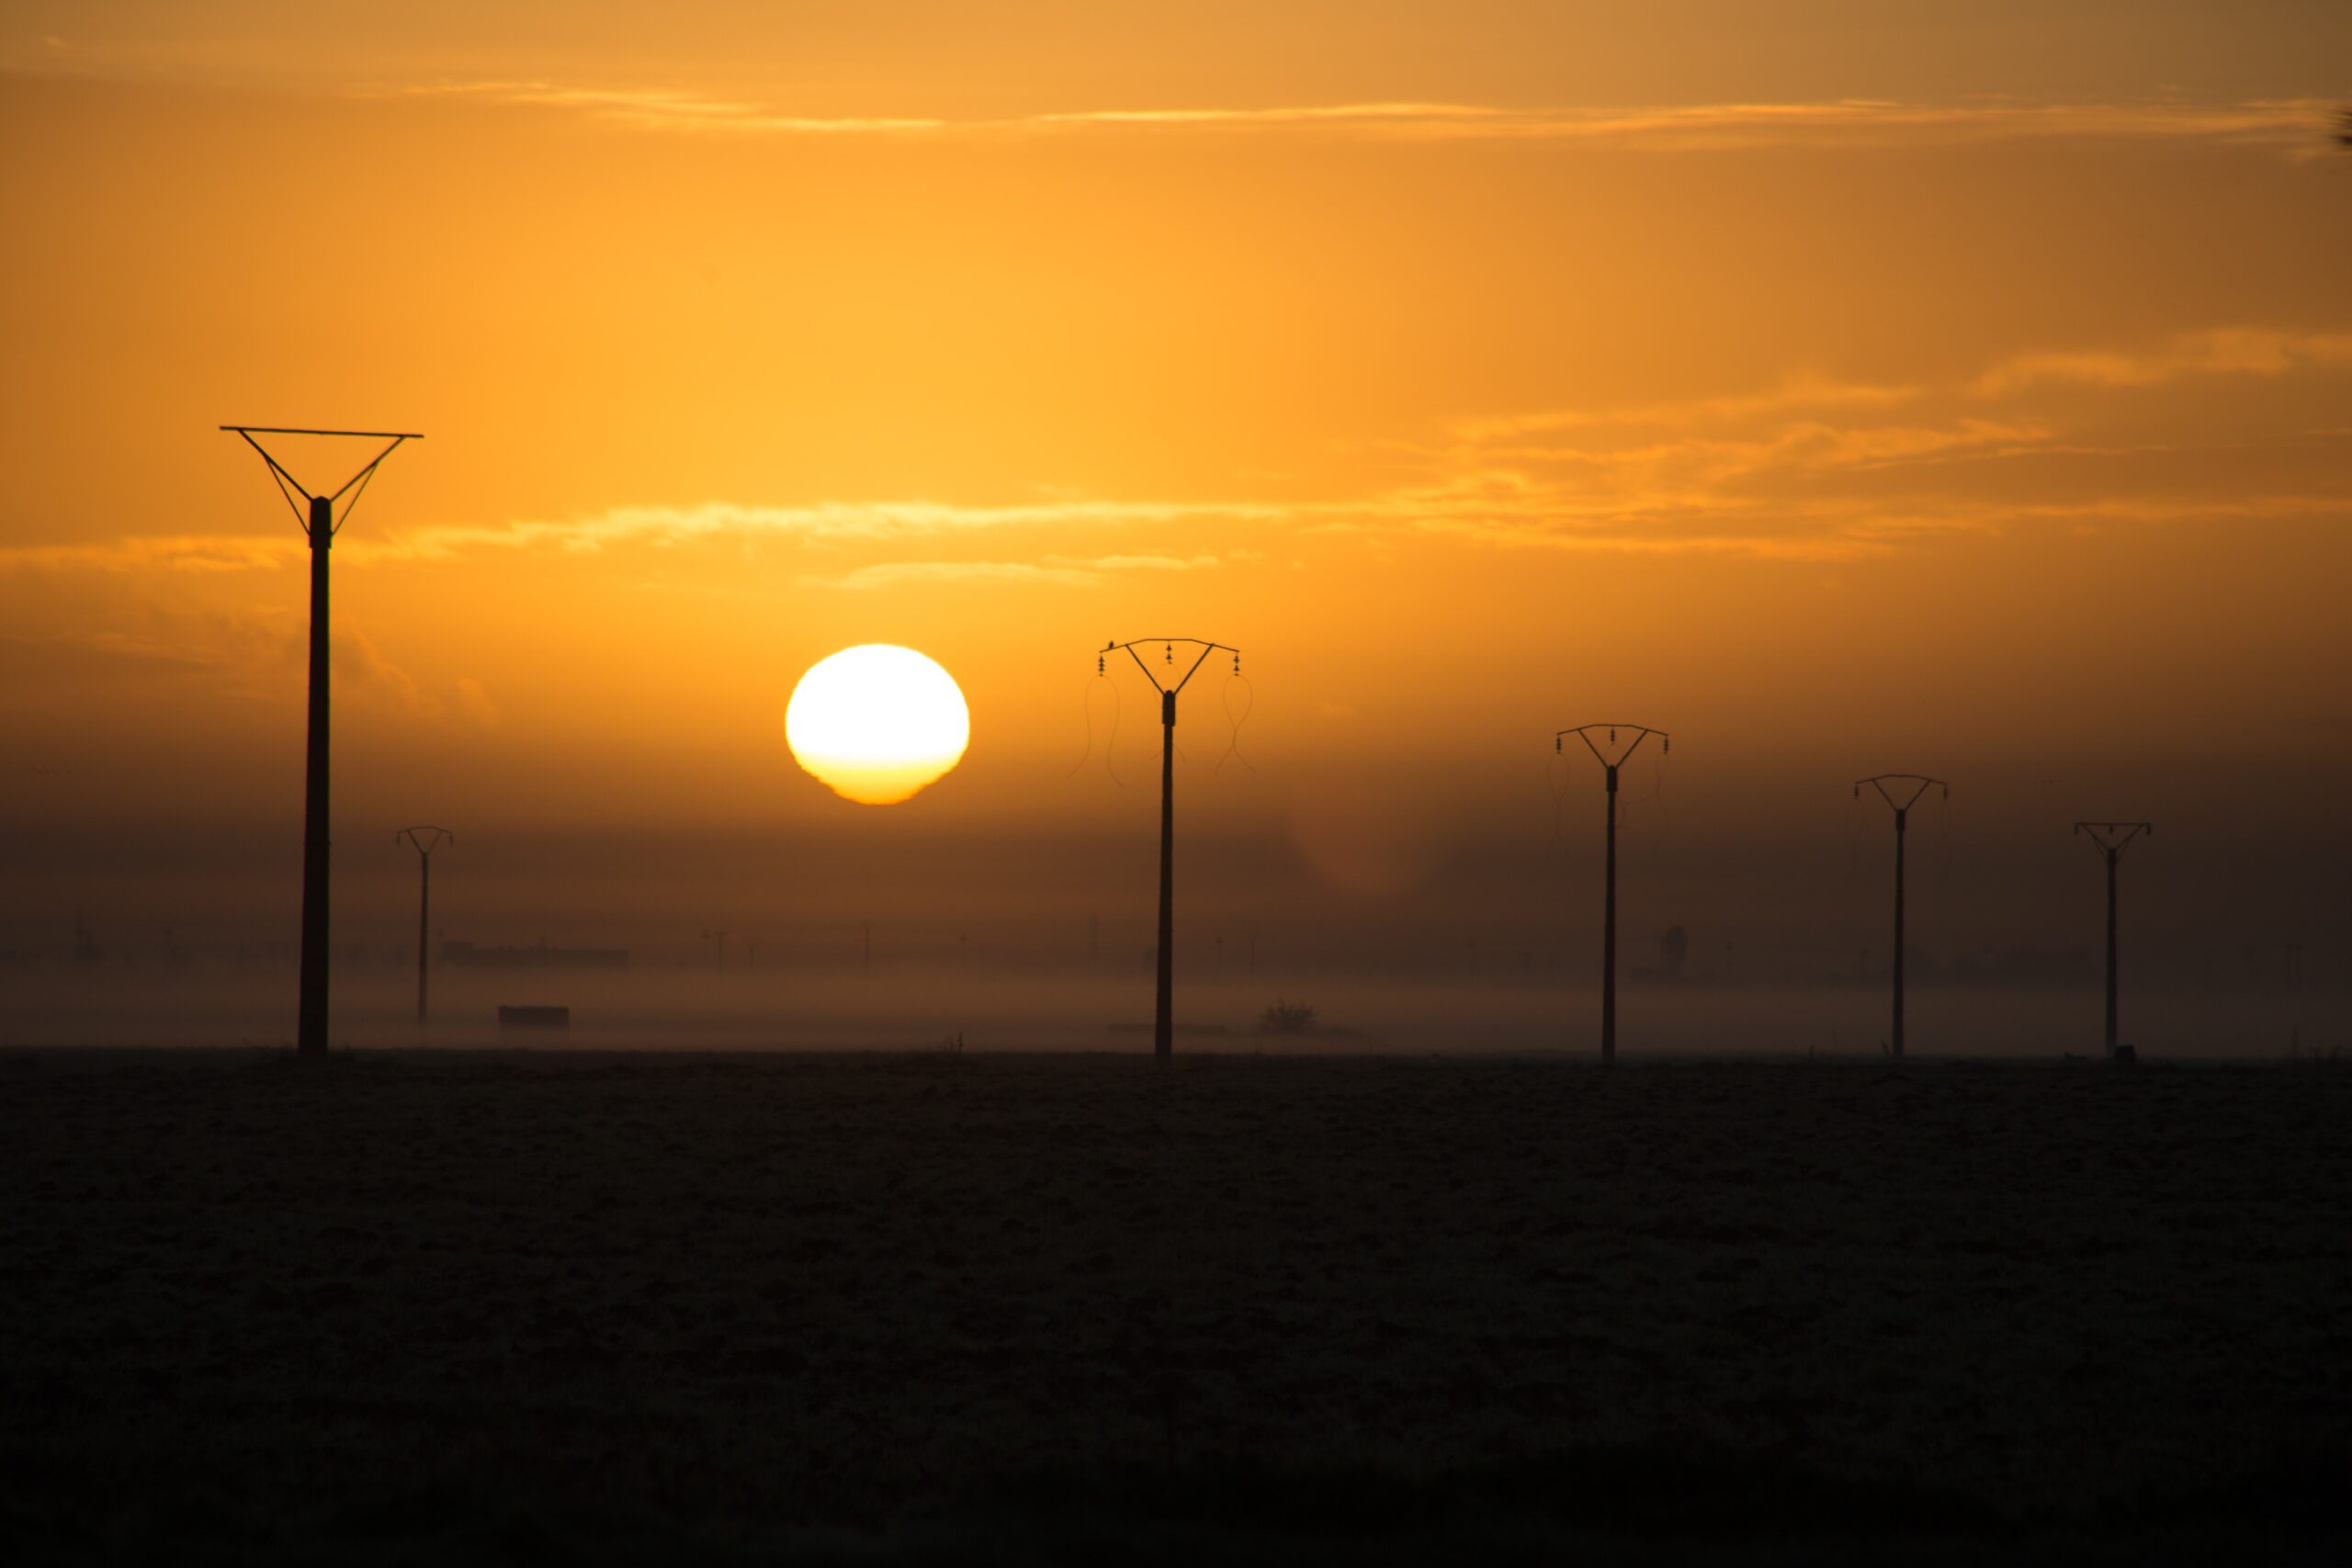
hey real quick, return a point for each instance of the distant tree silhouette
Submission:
(2344, 128)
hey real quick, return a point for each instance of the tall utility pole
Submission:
(2113, 838)
(1163, 1031)
(1910, 786)
(1611, 760)
(316, 514)
(426, 840)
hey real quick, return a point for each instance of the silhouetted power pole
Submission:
(1910, 786)
(426, 840)
(2113, 838)
(316, 514)
(1611, 760)
(1163, 1033)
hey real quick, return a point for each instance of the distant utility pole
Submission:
(1163, 1033)
(426, 840)
(319, 526)
(2113, 838)
(1910, 786)
(1611, 760)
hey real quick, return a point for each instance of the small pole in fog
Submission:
(1910, 786)
(426, 840)
(1163, 1033)
(319, 526)
(2113, 838)
(1611, 762)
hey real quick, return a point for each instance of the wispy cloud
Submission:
(1838, 122)
(655, 108)
(188, 553)
(1805, 392)
(824, 521)
(2235, 351)
(1057, 572)
(1814, 467)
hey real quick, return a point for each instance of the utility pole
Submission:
(316, 514)
(1910, 786)
(426, 840)
(1611, 760)
(1163, 1033)
(2113, 838)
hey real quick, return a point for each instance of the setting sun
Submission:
(876, 723)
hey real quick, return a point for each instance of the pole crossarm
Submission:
(1641, 732)
(1921, 784)
(355, 486)
(426, 847)
(1169, 645)
(2114, 836)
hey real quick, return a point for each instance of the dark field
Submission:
(423, 1306)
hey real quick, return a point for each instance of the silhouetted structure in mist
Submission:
(316, 514)
(1164, 1017)
(1911, 786)
(2113, 838)
(1608, 897)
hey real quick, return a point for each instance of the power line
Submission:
(424, 847)
(316, 514)
(1611, 760)
(1164, 1017)
(2113, 838)
(1910, 786)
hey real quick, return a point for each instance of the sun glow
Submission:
(877, 723)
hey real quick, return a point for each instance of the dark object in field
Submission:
(2125, 1056)
(466, 955)
(1286, 1017)
(534, 1017)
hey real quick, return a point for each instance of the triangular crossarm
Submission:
(291, 487)
(1168, 645)
(2114, 836)
(1909, 786)
(427, 840)
(1585, 732)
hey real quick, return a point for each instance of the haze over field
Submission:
(1842, 387)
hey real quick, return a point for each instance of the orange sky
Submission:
(1845, 387)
